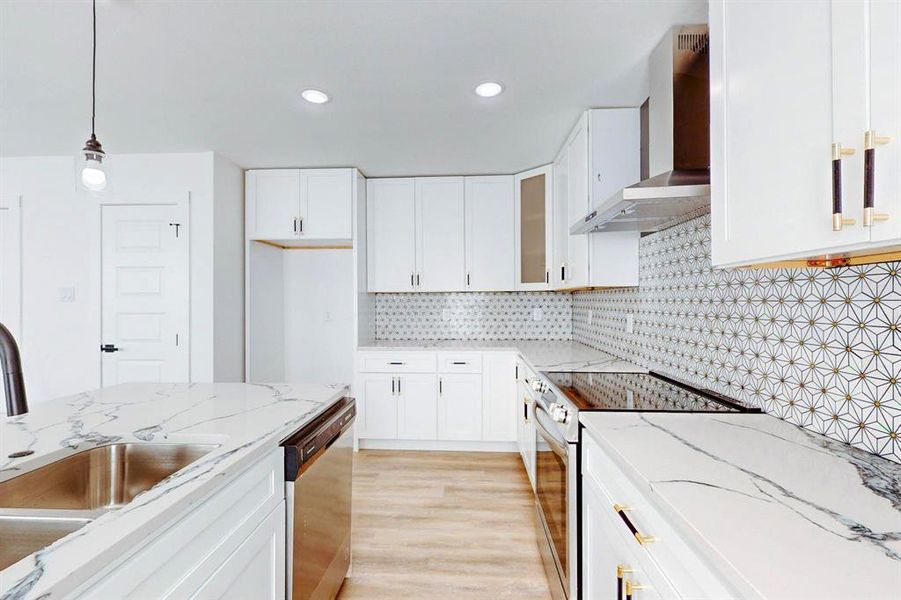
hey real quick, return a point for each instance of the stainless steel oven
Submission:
(556, 485)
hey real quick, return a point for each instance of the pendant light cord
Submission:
(94, 72)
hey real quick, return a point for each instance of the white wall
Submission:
(228, 272)
(319, 320)
(60, 248)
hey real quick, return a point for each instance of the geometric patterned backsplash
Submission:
(818, 348)
(473, 316)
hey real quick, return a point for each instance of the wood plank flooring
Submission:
(443, 525)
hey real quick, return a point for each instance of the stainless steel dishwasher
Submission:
(318, 474)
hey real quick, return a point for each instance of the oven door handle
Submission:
(557, 445)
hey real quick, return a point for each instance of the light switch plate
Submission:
(67, 294)
(445, 314)
(630, 323)
(590, 316)
(537, 314)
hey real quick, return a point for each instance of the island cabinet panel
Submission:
(623, 526)
(191, 557)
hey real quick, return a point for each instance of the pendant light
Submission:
(93, 173)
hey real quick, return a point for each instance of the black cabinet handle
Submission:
(459, 362)
(440, 386)
(411, 280)
(467, 279)
(562, 272)
(395, 362)
(295, 224)
(109, 348)
(417, 280)
(547, 277)
(301, 225)
(392, 386)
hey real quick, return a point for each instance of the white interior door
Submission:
(146, 298)
(10, 275)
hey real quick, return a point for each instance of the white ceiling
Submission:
(191, 75)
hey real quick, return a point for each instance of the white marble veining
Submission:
(792, 513)
(541, 355)
(246, 420)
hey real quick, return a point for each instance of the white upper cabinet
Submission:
(489, 234)
(390, 235)
(439, 234)
(534, 221)
(328, 214)
(577, 205)
(299, 204)
(273, 203)
(789, 144)
(561, 226)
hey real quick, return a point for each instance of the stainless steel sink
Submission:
(23, 535)
(48, 503)
(101, 478)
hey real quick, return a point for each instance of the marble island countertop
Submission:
(246, 421)
(542, 355)
(790, 513)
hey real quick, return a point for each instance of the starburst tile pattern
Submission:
(474, 316)
(818, 348)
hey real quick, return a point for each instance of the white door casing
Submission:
(145, 293)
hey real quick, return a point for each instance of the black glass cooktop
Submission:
(638, 391)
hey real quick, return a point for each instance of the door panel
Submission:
(327, 212)
(145, 294)
(440, 251)
(576, 207)
(561, 230)
(417, 408)
(391, 241)
(460, 407)
(490, 244)
(273, 197)
(380, 407)
(772, 126)
(885, 113)
(499, 399)
(534, 228)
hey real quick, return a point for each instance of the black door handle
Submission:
(109, 348)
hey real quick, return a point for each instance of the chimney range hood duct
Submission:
(674, 195)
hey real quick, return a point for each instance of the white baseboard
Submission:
(451, 446)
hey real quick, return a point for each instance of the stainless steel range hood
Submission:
(679, 140)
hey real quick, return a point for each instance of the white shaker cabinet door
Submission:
(379, 406)
(273, 204)
(417, 407)
(561, 216)
(577, 206)
(326, 207)
(391, 243)
(489, 234)
(885, 115)
(460, 406)
(772, 133)
(439, 234)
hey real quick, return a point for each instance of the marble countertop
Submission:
(791, 513)
(246, 420)
(540, 354)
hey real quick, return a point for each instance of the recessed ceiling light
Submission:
(314, 96)
(489, 89)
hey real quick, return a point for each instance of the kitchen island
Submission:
(242, 423)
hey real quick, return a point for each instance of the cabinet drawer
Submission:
(460, 362)
(660, 538)
(398, 362)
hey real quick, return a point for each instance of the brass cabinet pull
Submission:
(870, 141)
(838, 220)
(631, 587)
(642, 539)
(621, 570)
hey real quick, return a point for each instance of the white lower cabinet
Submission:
(624, 532)
(525, 427)
(460, 406)
(232, 545)
(380, 414)
(417, 407)
(499, 400)
(466, 399)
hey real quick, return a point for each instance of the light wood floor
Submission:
(443, 525)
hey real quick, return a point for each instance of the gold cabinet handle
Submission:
(631, 587)
(621, 570)
(870, 141)
(641, 539)
(838, 219)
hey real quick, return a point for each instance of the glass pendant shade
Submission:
(93, 170)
